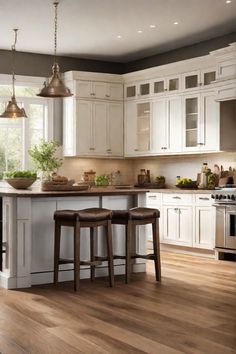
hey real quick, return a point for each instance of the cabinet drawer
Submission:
(177, 198)
(153, 199)
(203, 199)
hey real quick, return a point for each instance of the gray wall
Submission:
(40, 65)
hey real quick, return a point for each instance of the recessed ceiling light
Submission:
(228, 1)
(119, 36)
(140, 31)
(176, 23)
(152, 26)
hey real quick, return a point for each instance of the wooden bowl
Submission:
(20, 182)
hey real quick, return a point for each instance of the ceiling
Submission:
(89, 28)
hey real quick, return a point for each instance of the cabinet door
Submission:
(131, 144)
(191, 123)
(99, 90)
(167, 125)
(115, 129)
(204, 235)
(99, 131)
(160, 141)
(84, 89)
(137, 128)
(209, 123)
(177, 225)
(114, 91)
(84, 128)
(191, 80)
(69, 127)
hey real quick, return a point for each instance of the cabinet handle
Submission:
(176, 209)
(176, 197)
(136, 150)
(204, 198)
(200, 143)
(152, 197)
(92, 94)
(108, 96)
(91, 148)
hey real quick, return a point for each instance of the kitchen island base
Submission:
(28, 230)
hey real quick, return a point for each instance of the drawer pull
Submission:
(176, 197)
(204, 198)
(152, 197)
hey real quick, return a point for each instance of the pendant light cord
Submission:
(13, 48)
(55, 31)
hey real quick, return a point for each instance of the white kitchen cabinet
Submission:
(166, 85)
(198, 78)
(204, 222)
(137, 128)
(99, 90)
(92, 128)
(166, 125)
(154, 200)
(201, 122)
(177, 224)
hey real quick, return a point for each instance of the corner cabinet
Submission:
(92, 128)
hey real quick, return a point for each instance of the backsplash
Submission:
(168, 166)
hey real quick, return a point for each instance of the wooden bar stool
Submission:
(132, 218)
(92, 218)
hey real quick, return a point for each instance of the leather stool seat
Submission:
(65, 215)
(143, 213)
(94, 214)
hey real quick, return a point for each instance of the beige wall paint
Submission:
(170, 167)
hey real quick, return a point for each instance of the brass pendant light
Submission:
(55, 87)
(13, 110)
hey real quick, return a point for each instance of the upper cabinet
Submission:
(99, 90)
(199, 78)
(137, 128)
(166, 85)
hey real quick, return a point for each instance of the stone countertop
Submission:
(36, 192)
(179, 190)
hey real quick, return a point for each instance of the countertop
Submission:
(34, 192)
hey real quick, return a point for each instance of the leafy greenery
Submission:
(102, 180)
(43, 156)
(160, 179)
(185, 181)
(20, 173)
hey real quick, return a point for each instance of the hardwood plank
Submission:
(193, 310)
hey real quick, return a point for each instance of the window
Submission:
(17, 136)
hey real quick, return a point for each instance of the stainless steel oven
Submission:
(225, 225)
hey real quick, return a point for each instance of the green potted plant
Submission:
(44, 157)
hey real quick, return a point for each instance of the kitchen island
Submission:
(28, 232)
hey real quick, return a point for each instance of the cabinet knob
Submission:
(107, 95)
(135, 149)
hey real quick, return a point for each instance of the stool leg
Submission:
(128, 230)
(76, 255)
(92, 267)
(57, 239)
(110, 253)
(156, 248)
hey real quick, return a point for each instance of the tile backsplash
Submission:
(168, 166)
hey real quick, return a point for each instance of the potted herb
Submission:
(45, 159)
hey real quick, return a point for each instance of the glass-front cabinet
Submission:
(191, 121)
(195, 79)
(167, 84)
(137, 128)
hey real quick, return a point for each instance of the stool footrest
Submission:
(116, 256)
(100, 259)
(93, 263)
(144, 256)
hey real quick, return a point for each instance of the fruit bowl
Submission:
(20, 182)
(190, 185)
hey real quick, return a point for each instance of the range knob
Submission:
(232, 197)
(224, 196)
(220, 196)
(213, 196)
(216, 196)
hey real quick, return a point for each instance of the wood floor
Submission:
(193, 310)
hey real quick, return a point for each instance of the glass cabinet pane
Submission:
(173, 84)
(144, 89)
(191, 81)
(209, 77)
(131, 91)
(159, 86)
(191, 121)
(143, 126)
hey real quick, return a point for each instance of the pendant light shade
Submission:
(55, 87)
(13, 110)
